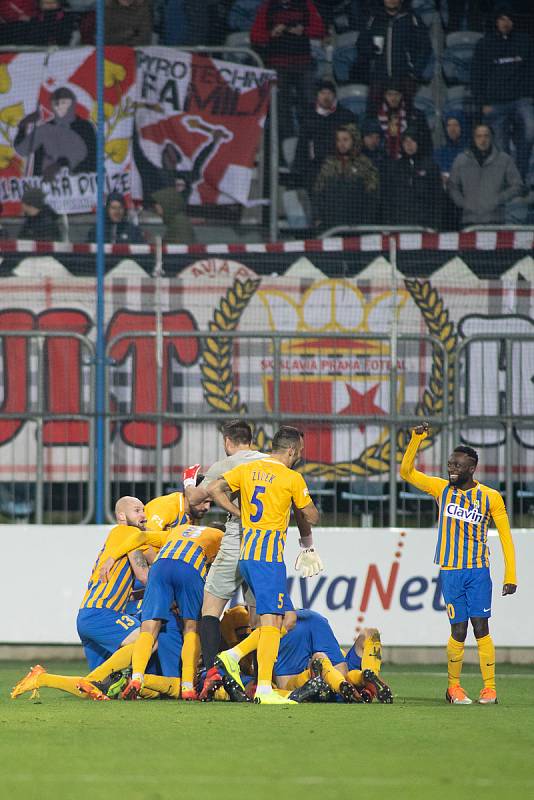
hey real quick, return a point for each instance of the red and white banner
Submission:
(48, 126)
(198, 125)
(379, 577)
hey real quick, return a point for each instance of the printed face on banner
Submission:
(198, 125)
(51, 126)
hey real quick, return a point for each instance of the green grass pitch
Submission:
(419, 747)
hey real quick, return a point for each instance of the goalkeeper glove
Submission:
(309, 563)
(189, 475)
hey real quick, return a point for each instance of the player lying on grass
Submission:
(268, 488)
(311, 664)
(465, 509)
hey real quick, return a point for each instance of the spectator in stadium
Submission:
(502, 84)
(373, 149)
(128, 22)
(395, 117)
(48, 25)
(347, 188)
(171, 207)
(456, 132)
(415, 190)
(281, 32)
(317, 137)
(117, 227)
(41, 222)
(456, 140)
(393, 44)
(483, 179)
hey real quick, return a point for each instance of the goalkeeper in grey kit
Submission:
(224, 577)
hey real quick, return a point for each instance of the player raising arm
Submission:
(465, 509)
(268, 488)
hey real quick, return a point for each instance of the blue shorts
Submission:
(466, 592)
(102, 632)
(268, 583)
(312, 634)
(172, 580)
(353, 660)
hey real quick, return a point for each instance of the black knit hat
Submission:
(326, 84)
(33, 196)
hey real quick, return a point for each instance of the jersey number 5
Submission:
(255, 501)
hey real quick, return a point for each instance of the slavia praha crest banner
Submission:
(340, 373)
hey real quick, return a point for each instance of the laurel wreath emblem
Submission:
(222, 395)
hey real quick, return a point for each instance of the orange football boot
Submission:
(28, 683)
(487, 696)
(455, 694)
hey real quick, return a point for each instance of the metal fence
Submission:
(59, 487)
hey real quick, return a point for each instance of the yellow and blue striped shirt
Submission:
(464, 518)
(114, 593)
(166, 512)
(193, 544)
(267, 489)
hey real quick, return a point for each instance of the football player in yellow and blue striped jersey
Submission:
(268, 488)
(178, 576)
(465, 509)
(163, 514)
(103, 626)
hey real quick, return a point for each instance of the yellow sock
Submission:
(190, 656)
(486, 655)
(283, 692)
(355, 676)
(148, 694)
(142, 652)
(66, 683)
(248, 645)
(121, 659)
(455, 660)
(269, 642)
(332, 676)
(167, 686)
(372, 653)
(296, 681)
(221, 696)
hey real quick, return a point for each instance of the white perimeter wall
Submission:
(373, 576)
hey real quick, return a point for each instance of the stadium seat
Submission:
(425, 10)
(414, 494)
(354, 97)
(297, 208)
(323, 66)
(319, 490)
(289, 149)
(344, 55)
(238, 40)
(242, 14)
(458, 55)
(458, 98)
(16, 502)
(366, 492)
(424, 102)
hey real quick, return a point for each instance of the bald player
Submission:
(103, 626)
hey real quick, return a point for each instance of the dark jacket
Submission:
(124, 232)
(406, 47)
(44, 227)
(502, 68)
(317, 141)
(444, 156)
(414, 192)
(346, 191)
(287, 50)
